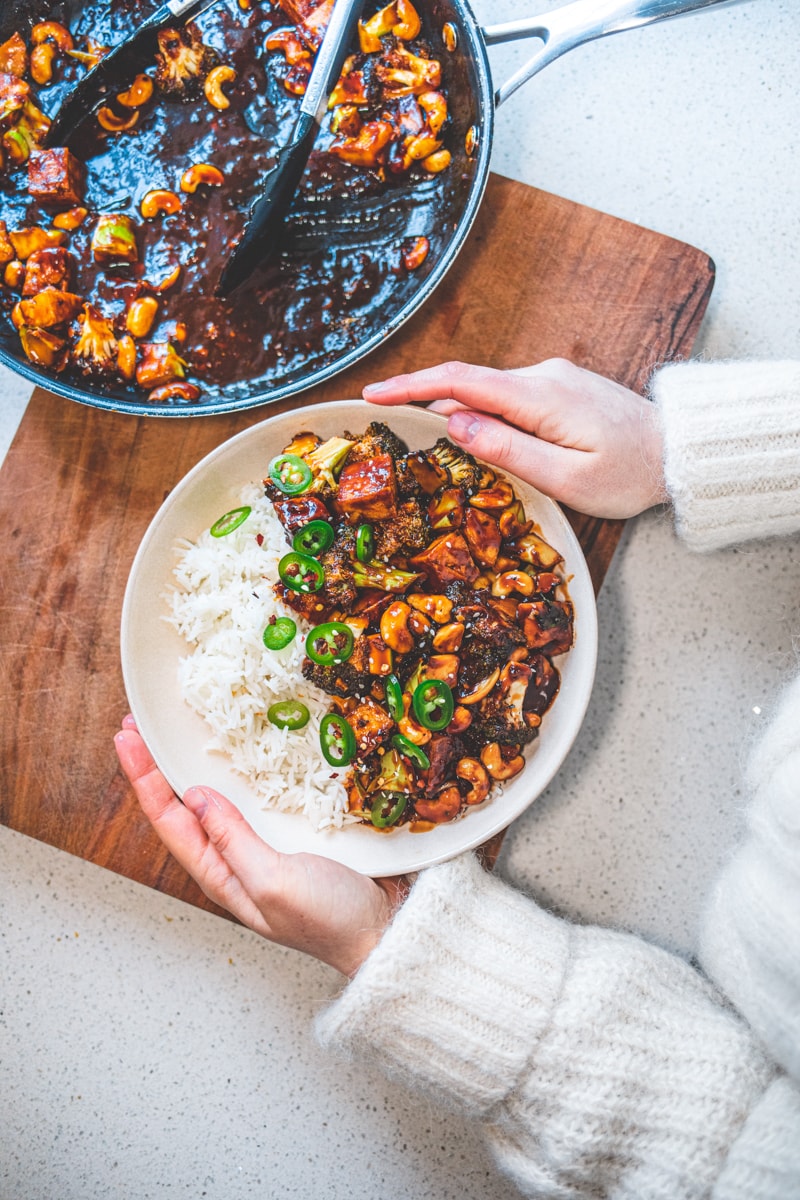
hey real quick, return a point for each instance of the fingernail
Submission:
(196, 801)
(463, 427)
(373, 389)
(119, 738)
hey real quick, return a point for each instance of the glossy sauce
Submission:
(341, 271)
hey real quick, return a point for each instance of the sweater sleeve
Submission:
(750, 934)
(598, 1064)
(732, 449)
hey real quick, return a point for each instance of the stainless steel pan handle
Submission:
(571, 25)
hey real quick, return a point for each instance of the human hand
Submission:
(584, 440)
(304, 901)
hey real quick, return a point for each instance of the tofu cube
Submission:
(52, 267)
(56, 178)
(447, 560)
(368, 489)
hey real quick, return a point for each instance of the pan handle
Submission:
(572, 25)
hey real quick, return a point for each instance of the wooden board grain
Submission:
(539, 277)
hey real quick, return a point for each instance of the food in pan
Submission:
(110, 248)
(381, 626)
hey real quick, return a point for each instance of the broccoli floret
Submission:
(340, 679)
(325, 462)
(376, 439)
(462, 468)
(183, 61)
(95, 351)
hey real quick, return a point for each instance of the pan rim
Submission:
(476, 48)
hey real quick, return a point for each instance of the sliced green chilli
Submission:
(433, 704)
(230, 521)
(330, 643)
(289, 474)
(394, 697)
(418, 756)
(313, 538)
(365, 543)
(337, 740)
(387, 808)
(279, 633)
(301, 573)
(288, 714)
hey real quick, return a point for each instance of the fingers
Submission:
(246, 855)
(547, 467)
(514, 396)
(180, 827)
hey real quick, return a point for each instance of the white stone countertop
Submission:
(151, 1050)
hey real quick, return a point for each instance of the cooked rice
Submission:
(221, 606)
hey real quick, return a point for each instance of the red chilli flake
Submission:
(260, 539)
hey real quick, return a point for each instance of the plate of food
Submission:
(380, 649)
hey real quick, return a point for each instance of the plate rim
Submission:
(423, 850)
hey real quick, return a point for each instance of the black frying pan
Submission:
(336, 293)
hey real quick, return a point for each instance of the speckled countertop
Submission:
(151, 1050)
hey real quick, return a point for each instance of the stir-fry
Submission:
(435, 610)
(111, 248)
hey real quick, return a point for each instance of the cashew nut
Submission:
(126, 356)
(496, 765)
(415, 252)
(70, 219)
(42, 62)
(213, 86)
(410, 727)
(449, 637)
(138, 93)
(160, 201)
(436, 162)
(474, 773)
(436, 607)
(394, 627)
(201, 173)
(14, 274)
(434, 105)
(141, 315)
(408, 23)
(114, 124)
(513, 581)
(450, 37)
(52, 31)
(419, 625)
(439, 809)
(461, 719)
(168, 281)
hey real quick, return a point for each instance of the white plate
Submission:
(177, 736)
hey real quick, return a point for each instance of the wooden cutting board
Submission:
(539, 277)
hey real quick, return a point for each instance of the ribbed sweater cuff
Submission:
(732, 440)
(468, 975)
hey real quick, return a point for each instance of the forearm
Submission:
(599, 1064)
(732, 449)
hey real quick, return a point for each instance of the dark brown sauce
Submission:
(340, 274)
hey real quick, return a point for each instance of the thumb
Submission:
(539, 463)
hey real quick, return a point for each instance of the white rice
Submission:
(221, 606)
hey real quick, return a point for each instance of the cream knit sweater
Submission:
(598, 1064)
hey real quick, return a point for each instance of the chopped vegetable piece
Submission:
(365, 543)
(289, 474)
(330, 643)
(418, 757)
(288, 714)
(337, 740)
(279, 633)
(230, 521)
(387, 808)
(433, 704)
(394, 697)
(114, 239)
(301, 573)
(313, 538)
